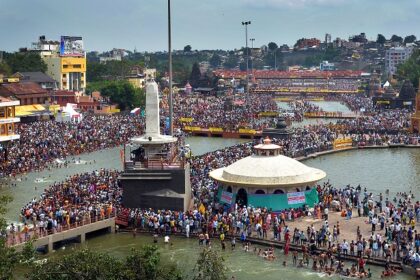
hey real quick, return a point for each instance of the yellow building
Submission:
(138, 76)
(8, 120)
(70, 72)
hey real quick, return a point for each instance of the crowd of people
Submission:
(97, 195)
(307, 84)
(42, 142)
(80, 199)
(224, 112)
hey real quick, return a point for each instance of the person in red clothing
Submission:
(362, 263)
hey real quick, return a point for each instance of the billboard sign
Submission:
(71, 46)
(296, 198)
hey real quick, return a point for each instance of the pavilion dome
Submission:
(268, 171)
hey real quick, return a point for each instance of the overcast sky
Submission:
(204, 24)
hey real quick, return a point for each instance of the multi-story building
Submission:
(66, 61)
(8, 120)
(28, 93)
(395, 56)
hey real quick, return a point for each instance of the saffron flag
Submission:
(295, 198)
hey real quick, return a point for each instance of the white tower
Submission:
(152, 135)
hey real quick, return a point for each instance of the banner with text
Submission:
(226, 197)
(295, 198)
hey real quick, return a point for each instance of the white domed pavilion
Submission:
(267, 172)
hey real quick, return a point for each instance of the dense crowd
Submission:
(97, 195)
(82, 198)
(307, 84)
(42, 142)
(225, 112)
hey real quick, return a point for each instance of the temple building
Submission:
(268, 179)
(415, 118)
(281, 131)
(392, 100)
(156, 175)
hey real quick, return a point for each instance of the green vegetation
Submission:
(112, 70)
(86, 265)
(210, 266)
(9, 258)
(410, 69)
(396, 38)
(331, 54)
(380, 39)
(195, 75)
(119, 92)
(22, 62)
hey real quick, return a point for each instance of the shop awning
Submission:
(28, 110)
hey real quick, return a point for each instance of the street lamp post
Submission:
(275, 60)
(171, 108)
(246, 23)
(252, 47)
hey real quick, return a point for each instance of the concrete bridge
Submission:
(78, 232)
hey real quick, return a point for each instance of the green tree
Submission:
(396, 39)
(85, 265)
(187, 48)
(410, 69)
(82, 265)
(121, 93)
(25, 62)
(215, 60)
(5, 69)
(380, 39)
(231, 62)
(139, 97)
(410, 39)
(9, 257)
(209, 266)
(272, 46)
(95, 71)
(195, 75)
(145, 264)
(274, 59)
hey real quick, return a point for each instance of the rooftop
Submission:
(22, 88)
(268, 171)
(37, 77)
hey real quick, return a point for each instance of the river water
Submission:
(379, 169)
(184, 252)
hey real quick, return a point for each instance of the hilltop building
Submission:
(395, 56)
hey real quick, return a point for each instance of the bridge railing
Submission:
(15, 238)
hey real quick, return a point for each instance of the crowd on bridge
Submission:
(80, 199)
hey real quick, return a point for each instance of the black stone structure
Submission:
(156, 188)
(281, 131)
(390, 100)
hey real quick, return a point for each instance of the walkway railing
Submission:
(16, 238)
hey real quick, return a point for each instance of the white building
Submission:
(395, 56)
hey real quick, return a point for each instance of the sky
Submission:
(203, 24)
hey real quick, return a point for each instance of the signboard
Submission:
(295, 198)
(226, 198)
(71, 46)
